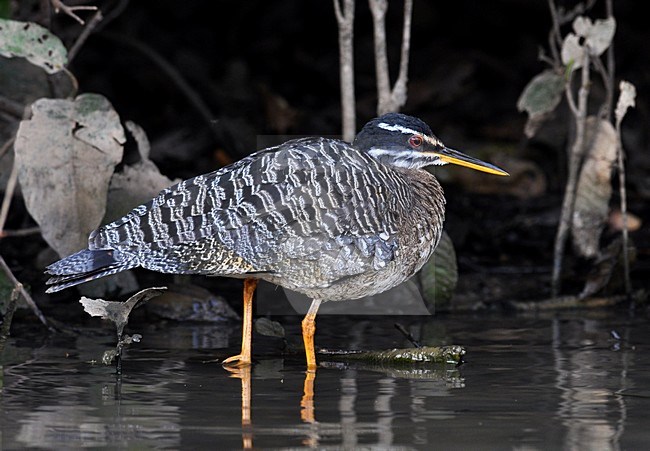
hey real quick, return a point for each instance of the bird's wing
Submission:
(309, 199)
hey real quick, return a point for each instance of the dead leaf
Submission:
(34, 43)
(116, 311)
(625, 100)
(594, 187)
(572, 52)
(136, 184)
(598, 35)
(595, 36)
(66, 153)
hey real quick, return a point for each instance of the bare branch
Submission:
(345, 20)
(59, 6)
(390, 99)
(378, 9)
(399, 90)
(569, 95)
(575, 160)
(609, 83)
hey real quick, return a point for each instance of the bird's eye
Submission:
(415, 141)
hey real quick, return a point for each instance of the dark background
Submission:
(269, 68)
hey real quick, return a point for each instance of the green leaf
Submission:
(33, 42)
(439, 275)
(540, 98)
(542, 94)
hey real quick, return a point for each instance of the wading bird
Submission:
(330, 219)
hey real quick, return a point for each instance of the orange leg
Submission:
(247, 328)
(308, 331)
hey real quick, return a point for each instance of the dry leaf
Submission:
(34, 43)
(118, 312)
(594, 187)
(625, 100)
(572, 52)
(597, 37)
(66, 153)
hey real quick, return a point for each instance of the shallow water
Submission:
(528, 383)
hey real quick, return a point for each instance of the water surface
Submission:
(557, 382)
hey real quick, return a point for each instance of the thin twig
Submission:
(609, 84)
(409, 336)
(569, 95)
(575, 160)
(6, 146)
(345, 20)
(113, 13)
(59, 6)
(28, 299)
(5, 330)
(20, 232)
(9, 194)
(94, 21)
(623, 194)
(554, 36)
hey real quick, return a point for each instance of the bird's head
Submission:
(404, 141)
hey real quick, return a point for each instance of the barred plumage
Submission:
(304, 215)
(320, 216)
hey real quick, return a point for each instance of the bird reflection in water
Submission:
(313, 431)
(243, 373)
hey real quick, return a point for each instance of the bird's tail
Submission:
(86, 265)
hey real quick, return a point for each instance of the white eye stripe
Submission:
(397, 128)
(408, 131)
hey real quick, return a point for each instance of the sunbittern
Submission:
(320, 216)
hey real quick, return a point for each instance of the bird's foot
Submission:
(238, 361)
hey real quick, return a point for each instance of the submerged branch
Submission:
(428, 354)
